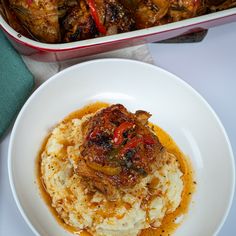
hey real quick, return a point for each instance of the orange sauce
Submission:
(44, 194)
(168, 225)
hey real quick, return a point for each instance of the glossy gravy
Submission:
(168, 223)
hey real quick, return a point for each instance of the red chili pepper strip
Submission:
(131, 144)
(118, 133)
(94, 13)
(134, 142)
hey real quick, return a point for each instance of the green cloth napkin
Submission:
(16, 83)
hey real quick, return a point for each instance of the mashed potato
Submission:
(139, 207)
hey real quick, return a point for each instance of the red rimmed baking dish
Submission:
(63, 51)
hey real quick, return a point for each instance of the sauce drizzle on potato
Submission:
(169, 224)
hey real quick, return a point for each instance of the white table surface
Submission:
(209, 67)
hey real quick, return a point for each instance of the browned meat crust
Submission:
(119, 149)
(39, 17)
(117, 18)
(79, 24)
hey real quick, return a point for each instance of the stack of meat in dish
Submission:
(72, 20)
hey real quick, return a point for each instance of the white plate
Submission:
(175, 106)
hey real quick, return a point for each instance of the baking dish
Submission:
(64, 51)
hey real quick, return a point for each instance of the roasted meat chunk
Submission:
(184, 9)
(91, 19)
(79, 24)
(149, 13)
(40, 18)
(117, 18)
(118, 149)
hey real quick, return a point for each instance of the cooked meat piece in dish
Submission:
(79, 24)
(184, 9)
(149, 13)
(38, 17)
(118, 149)
(117, 18)
(84, 21)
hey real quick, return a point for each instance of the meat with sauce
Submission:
(118, 150)
(79, 24)
(40, 18)
(110, 17)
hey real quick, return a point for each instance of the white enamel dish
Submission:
(63, 51)
(175, 106)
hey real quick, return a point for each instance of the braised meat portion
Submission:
(79, 24)
(117, 18)
(149, 13)
(90, 19)
(119, 148)
(184, 9)
(40, 18)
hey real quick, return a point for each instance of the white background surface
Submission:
(209, 67)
